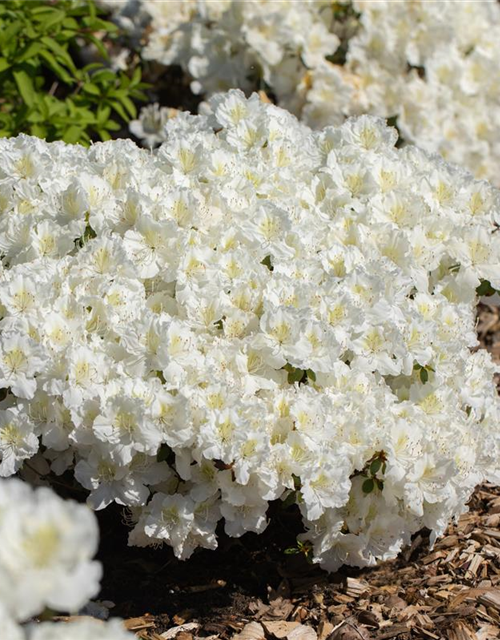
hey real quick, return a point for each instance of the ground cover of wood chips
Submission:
(251, 589)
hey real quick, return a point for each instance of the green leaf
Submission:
(117, 92)
(56, 67)
(85, 116)
(60, 51)
(375, 466)
(42, 10)
(485, 289)
(311, 375)
(39, 130)
(424, 375)
(9, 34)
(31, 33)
(4, 64)
(70, 23)
(129, 106)
(72, 134)
(140, 95)
(103, 113)
(136, 76)
(119, 110)
(111, 125)
(89, 233)
(289, 500)
(164, 453)
(88, 87)
(52, 106)
(294, 375)
(267, 263)
(103, 134)
(291, 551)
(25, 86)
(31, 50)
(103, 76)
(98, 44)
(368, 485)
(35, 116)
(92, 9)
(92, 66)
(49, 19)
(71, 107)
(97, 24)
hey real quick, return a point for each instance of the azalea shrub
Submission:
(433, 67)
(46, 561)
(255, 312)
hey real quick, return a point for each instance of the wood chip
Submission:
(491, 599)
(251, 631)
(487, 632)
(143, 622)
(325, 628)
(355, 587)
(302, 632)
(280, 628)
(461, 631)
(349, 629)
(393, 632)
(183, 628)
(474, 565)
(437, 555)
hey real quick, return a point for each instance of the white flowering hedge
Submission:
(46, 561)
(434, 66)
(254, 312)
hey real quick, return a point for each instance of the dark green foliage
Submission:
(423, 372)
(302, 376)
(377, 464)
(44, 91)
(368, 485)
(485, 289)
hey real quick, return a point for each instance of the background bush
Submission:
(46, 90)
